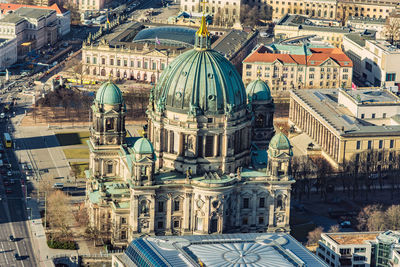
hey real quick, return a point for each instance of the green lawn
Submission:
(69, 139)
(76, 153)
(79, 168)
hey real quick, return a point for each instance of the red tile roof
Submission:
(318, 56)
(4, 7)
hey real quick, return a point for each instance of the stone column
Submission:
(254, 208)
(204, 146)
(168, 215)
(238, 209)
(152, 213)
(186, 212)
(181, 144)
(271, 209)
(206, 223)
(216, 145)
(134, 211)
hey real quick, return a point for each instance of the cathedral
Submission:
(209, 163)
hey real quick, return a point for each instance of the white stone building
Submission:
(376, 62)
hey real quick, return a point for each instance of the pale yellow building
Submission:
(347, 123)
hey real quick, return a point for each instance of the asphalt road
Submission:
(13, 215)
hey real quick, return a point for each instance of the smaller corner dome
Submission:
(258, 90)
(143, 146)
(280, 142)
(109, 93)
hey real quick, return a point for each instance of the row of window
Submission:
(125, 63)
(299, 69)
(381, 142)
(373, 115)
(310, 76)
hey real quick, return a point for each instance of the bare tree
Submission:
(314, 236)
(334, 229)
(392, 29)
(59, 213)
(364, 216)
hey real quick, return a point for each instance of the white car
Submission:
(29, 178)
(9, 173)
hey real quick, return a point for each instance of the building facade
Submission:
(190, 176)
(349, 124)
(227, 10)
(142, 54)
(285, 67)
(63, 15)
(8, 52)
(89, 5)
(32, 27)
(348, 249)
(376, 61)
(380, 249)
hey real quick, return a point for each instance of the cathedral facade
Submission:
(208, 164)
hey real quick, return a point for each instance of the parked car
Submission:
(16, 256)
(11, 238)
(9, 173)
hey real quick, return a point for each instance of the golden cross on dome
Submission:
(203, 26)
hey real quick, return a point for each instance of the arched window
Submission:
(260, 121)
(279, 202)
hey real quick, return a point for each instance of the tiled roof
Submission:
(4, 7)
(318, 56)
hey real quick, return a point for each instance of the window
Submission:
(248, 73)
(248, 66)
(345, 70)
(358, 258)
(358, 144)
(384, 115)
(176, 205)
(109, 168)
(94, 60)
(311, 76)
(111, 61)
(125, 63)
(345, 76)
(160, 225)
(362, 116)
(109, 124)
(245, 203)
(390, 77)
(368, 66)
(123, 220)
(261, 203)
(391, 143)
(160, 206)
(373, 115)
(176, 224)
(123, 234)
(380, 143)
(118, 62)
(88, 60)
(244, 221)
(369, 144)
(345, 251)
(260, 220)
(103, 61)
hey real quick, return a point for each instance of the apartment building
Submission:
(284, 67)
(376, 62)
(347, 249)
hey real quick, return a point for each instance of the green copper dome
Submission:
(258, 90)
(200, 81)
(280, 142)
(143, 146)
(109, 93)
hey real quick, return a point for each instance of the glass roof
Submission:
(167, 35)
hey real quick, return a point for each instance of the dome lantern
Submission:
(203, 40)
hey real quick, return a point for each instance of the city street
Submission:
(13, 214)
